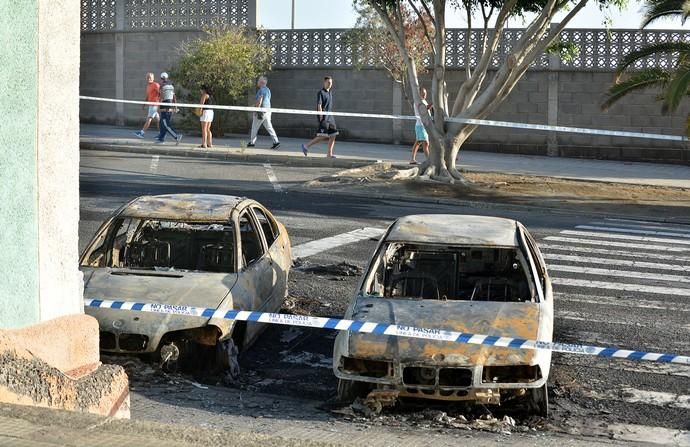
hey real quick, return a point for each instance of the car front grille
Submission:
(442, 377)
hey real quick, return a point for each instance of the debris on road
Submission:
(339, 269)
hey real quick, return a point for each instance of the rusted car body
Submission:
(210, 251)
(474, 274)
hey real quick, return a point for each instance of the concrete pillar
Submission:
(552, 118)
(254, 14)
(120, 61)
(39, 161)
(397, 110)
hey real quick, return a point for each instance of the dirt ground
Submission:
(613, 198)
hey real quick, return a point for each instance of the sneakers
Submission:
(139, 134)
(178, 138)
(157, 141)
(276, 145)
(305, 151)
(251, 145)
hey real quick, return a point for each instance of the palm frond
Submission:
(686, 10)
(653, 77)
(677, 88)
(656, 9)
(652, 50)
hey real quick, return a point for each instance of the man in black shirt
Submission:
(327, 128)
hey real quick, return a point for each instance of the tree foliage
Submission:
(483, 87)
(226, 59)
(673, 83)
(372, 45)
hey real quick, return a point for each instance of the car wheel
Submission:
(349, 390)
(227, 359)
(539, 401)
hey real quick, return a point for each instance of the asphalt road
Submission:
(617, 282)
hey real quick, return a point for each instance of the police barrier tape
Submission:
(386, 329)
(478, 122)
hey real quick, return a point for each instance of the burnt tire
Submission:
(227, 359)
(349, 390)
(539, 401)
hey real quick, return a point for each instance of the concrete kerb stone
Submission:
(252, 158)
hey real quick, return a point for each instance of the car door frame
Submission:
(262, 263)
(275, 301)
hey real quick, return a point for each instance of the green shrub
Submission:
(228, 60)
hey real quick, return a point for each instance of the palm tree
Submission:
(674, 82)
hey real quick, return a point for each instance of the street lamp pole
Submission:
(293, 14)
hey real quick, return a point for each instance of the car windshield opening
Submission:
(166, 245)
(452, 273)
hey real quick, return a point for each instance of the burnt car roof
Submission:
(197, 207)
(455, 229)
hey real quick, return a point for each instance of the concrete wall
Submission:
(555, 96)
(18, 187)
(39, 161)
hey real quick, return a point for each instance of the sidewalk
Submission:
(38, 427)
(350, 154)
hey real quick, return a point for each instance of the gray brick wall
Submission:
(579, 94)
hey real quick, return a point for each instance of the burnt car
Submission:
(201, 250)
(473, 274)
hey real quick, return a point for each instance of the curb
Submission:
(227, 155)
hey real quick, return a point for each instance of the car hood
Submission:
(178, 288)
(519, 320)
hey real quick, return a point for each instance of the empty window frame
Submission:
(250, 238)
(268, 225)
(169, 245)
(452, 273)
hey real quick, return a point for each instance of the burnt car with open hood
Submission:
(471, 274)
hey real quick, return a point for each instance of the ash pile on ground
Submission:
(434, 418)
(316, 289)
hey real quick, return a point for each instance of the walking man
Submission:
(421, 136)
(263, 99)
(167, 94)
(152, 95)
(327, 128)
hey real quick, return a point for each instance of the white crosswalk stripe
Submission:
(625, 237)
(599, 243)
(634, 231)
(619, 273)
(621, 253)
(615, 301)
(620, 262)
(645, 226)
(607, 285)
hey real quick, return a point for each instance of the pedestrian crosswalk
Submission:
(623, 283)
(624, 255)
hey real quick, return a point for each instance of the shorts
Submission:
(420, 133)
(153, 112)
(327, 129)
(206, 116)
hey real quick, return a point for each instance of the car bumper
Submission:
(441, 382)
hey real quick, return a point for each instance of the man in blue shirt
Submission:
(327, 128)
(263, 99)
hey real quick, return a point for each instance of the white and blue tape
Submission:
(387, 329)
(492, 123)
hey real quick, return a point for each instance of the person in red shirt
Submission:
(152, 95)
